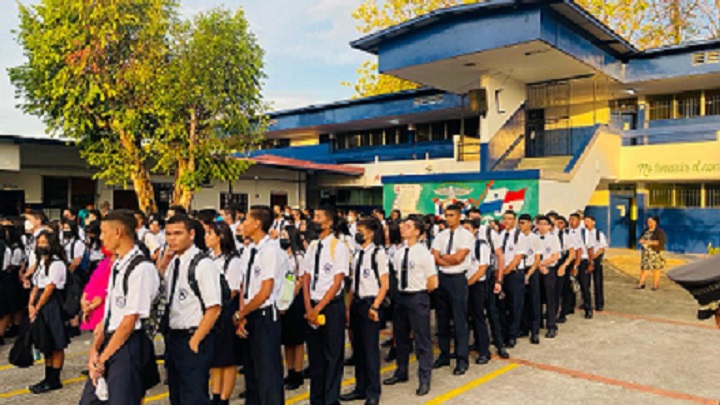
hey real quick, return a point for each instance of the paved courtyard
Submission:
(647, 348)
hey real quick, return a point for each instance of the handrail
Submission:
(506, 137)
(508, 151)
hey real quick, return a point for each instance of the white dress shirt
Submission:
(185, 309)
(549, 245)
(56, 274)
(461, 239)
(420, 267)
(369, 283)
(261, 262)
(328, 266)
(142, 287)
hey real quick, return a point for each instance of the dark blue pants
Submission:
(478, 304)
(598, 280)
(264, 368)
(514, 285)
(412, 314)
(548, 282)
(123, 373)
(452, 304)
(584, 279)
(326, 348)
(494, 307)
(188, 372)
(366, 349)
(532, 312)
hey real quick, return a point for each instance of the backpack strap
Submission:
(374, 265)
(228, 259)
(134, 262)
(192, 279)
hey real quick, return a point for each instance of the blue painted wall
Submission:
(323, 153)
(601, 215)
(666, 66)
(708, 119)
(689, 230)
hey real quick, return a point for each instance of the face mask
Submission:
(239, 238)
(29, 226)
(360, 238)
(317, 227)
(285, 244)
(42, 251)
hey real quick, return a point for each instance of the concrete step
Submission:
(550, 163)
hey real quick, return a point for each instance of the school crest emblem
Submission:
(182, 294)
(120, 302)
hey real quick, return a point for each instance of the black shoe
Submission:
(392, 355)
(503, 353)
(2, 340)
(349, 362)
(510, 343)
(306, 373)
(46, 387)
(441, 363)
(460, 370)
(352, 396)
(453, 356)
(86, 373)
(387, 343)
(423, 390)
(482, 360)
(33, 387)
(588, 315)
(599, 309)
(640, 287)
(551, 334)
(241, 370)
(372, 401)
(561, 319)
(524, 334)
(242, 395)
(394, 380)
(535, 339)
(473, 347)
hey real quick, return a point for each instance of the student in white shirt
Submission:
(121, 351)
(532, 312)
(368, 288)
(583, 266)
(258, 321)
(45, 301)
(451, 250)
(417, 278)
(479, 289)
(510, 250)
(599, 244)
(293, 319)
(550, 260)
(325, 266)
(221, 245)
(192, 313)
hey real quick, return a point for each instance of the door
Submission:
(55, 191)
(125, 199)
(622, 226)
(534, 133)
(11, 202)
(278, 198)
(83, 192)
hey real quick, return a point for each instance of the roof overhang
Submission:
(306, 165)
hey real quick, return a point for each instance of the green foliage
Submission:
(141, 91)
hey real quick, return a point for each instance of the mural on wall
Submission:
(491, 197)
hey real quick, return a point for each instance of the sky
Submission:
(307, 54)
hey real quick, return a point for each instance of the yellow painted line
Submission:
(156, 397)
(472, 384)
(27, 391)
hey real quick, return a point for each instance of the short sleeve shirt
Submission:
(142, 287)
(74, 249)
(462, 239)
(480, 257)
(369, 283)
(269, 263)
(185, 309)
(549, 245)
(329, 265)
(56, 274)
(420, 266)
(233, 275)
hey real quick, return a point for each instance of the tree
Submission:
(645, 23)
(210, 91)
(142, 92)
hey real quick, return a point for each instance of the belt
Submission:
(109, 334)
(189, 331)
(358, 300)
(453, 275)
(268, 310)
(337, 298)
(411, 293)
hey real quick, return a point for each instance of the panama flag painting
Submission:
(499, 200)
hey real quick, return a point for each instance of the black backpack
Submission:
(224, 287)
(72, 293)
(374, 264)
(153, 323)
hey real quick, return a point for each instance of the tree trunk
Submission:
(182, 193)
(140, 176)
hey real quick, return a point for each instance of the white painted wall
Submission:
(9, 156)
(602, 161)
(512, 95)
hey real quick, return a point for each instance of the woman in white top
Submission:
(221, 246)
(46, 307)
(293, 320)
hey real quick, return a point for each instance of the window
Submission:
(712, 102)
(438, 131)
(661, 195)
(688, 195)
(661, 107)
(675, 195)
(422, 133)
(712, 195)
(688, 105)
(237, 200)
(453, 128)
(377, 137)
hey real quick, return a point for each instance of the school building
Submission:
(530, 105)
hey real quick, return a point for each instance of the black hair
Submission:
(126, 218)
(232, 211)
(98, 215)
(453, 207)
(394, 236)
(417, 224)
(73, 232)
(72, 211)
(227, 239)
(510, 212)
(396, 211)
(590, 217)
(655, 218)
(295, 239)
(525, 217)
(207, 215)
(563, 219)
(56, 249)
(14, 235)
(575, 215)
(187, 222)
(543, 218)
(330, 213)
(178, 209)
(264, 214)
(93, 228)
(474, 210)
(376, 228)
(156, 218)
(39, 215)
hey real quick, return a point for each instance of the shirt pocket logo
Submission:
(182, 294)
(257, 270)
(366, 273)
(120, 302)
(327, 268)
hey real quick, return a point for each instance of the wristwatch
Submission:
(376, 309)
(236, 316)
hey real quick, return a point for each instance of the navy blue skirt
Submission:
(54, 331)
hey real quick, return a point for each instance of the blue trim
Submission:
(473, 176)
(484, 157)
(583, 139)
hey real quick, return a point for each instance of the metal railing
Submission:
(506, 144)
